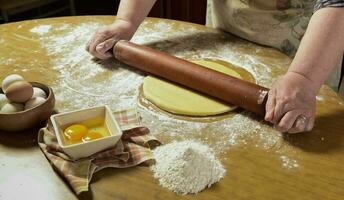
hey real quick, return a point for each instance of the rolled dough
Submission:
(179, 100)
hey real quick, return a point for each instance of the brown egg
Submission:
(19, 91)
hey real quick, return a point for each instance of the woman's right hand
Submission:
(102, 42)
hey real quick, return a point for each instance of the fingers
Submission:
(102, 41)
(275, 109)
(100, 44)
(270, 106)
(105, 47)
(291, 104)
(93, 46)
(287, 121)
(310, 124)
(294, 122)
(299, 125)
(279, 111)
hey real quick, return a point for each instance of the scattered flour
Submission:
(84, 82)
(240, 129)
(186, 167)
(262, 95)
(288, 162)
(42, 29)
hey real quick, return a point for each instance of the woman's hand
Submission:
(102, 41)
(291, 103)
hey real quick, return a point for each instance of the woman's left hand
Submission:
(291, 103)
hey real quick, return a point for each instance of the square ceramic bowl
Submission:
(85, 149)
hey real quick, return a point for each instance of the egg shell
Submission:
(3, 100)
(19, 92)
(12, 108)
(38, 92)
(9, 80)
(34, 102)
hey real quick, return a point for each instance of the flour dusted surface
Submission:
(80, 82)
(186, 167)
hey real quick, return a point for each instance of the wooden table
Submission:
(261, 163)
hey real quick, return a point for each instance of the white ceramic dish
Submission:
(86, 149)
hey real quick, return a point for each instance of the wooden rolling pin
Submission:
(229, 89)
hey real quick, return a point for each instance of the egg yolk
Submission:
(75, 132)
(92, 135)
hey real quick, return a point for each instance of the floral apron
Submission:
(276, 23)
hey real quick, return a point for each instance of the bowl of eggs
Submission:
(24, 105)
(82, 133)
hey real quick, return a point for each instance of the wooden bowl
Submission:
(32, 117)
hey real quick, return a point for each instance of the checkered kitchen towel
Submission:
(134, 148)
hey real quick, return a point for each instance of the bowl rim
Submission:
(34, 84)
(59, 136)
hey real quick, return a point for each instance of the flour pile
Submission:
(186, 167)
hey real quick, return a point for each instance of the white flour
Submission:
(289, 163)
(84, 82)
(41, 30)
(186, 167)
